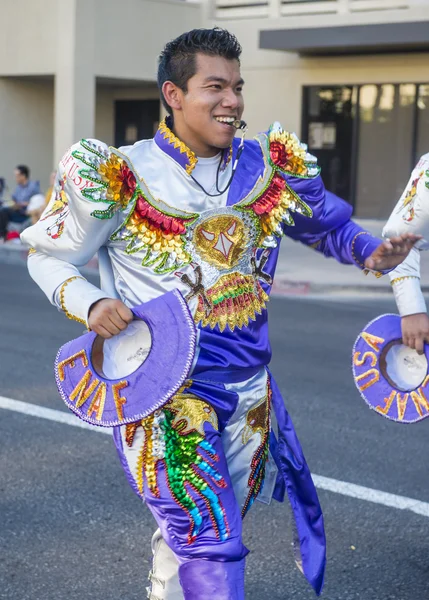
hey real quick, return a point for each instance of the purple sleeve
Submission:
(329, 230)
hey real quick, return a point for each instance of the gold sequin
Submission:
(62, 300)
(221, 240)
(234, 301)
(191, 413)
(397, 279)
(179, 145)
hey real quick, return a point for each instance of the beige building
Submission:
(351, 77)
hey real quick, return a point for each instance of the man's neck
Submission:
(197, 149)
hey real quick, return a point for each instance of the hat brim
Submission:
(112, 402)
(376, 387)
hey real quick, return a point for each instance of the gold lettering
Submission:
(420, 400)
(373, 341)
(402, 404)
(388, 403)
(360, 361)
(71, 361)
(375, 378)
(119, 400)
(82, 392)
(97, 404)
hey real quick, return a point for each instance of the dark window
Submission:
(367, 138)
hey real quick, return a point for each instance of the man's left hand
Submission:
(391, 252)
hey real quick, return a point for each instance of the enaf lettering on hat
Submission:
(392, 379)
(148, 363)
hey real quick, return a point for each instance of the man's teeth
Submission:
(225, 119)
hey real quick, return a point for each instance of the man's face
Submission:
(214, 93)
(20, 178)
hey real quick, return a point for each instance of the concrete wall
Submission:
(274, 80)
(26, 128)
(28, 37)
(130, 36)
(105, 106)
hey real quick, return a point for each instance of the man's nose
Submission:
(230, 99)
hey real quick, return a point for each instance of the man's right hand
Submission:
(415, 331)
(108, 317)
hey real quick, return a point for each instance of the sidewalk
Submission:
(300, 270)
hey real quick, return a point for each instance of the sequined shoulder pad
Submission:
(286, 153)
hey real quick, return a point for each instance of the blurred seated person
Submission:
(24, 190)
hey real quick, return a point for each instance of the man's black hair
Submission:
(24, 170)
(177, 62)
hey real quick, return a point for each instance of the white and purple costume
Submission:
(203, 458)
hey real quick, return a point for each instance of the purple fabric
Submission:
(210, 580)
(302, 495)
(160, 376)
(250, 167)
(168, 148)
(174, 521)
(181, 157)
(382, 395)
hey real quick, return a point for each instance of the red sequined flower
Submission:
(278, 154)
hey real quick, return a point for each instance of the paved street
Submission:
(70, 528)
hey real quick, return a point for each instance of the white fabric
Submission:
(205, 172)
(122, 275)
(411, 215)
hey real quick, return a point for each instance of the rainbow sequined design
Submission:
(219, 255)
(257, 422)
(175, 438)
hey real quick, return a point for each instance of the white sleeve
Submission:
(411, 213)
(405, 280)
(78, 220)
(64, 285)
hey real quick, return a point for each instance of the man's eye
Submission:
(216, 86)
(239, 89)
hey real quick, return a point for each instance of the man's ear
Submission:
(172, 95)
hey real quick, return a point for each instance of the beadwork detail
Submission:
(58, 207)
(175, 437)
(68, 314)
(274, 206)
(361, 265)
(398, 279)
(287, 153)
(179, 145)
(232, 302)
(257, 422)
(410, 195)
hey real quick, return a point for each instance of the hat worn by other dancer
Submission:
(392, 378)
(123, 379)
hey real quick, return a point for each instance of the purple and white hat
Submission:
(392, 378)
(125, 378)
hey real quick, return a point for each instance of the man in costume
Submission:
(411, 215)
(196, 210)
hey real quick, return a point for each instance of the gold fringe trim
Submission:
(179, 145)
(402, 278)
(63, 304)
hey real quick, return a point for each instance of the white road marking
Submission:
(370, 495)
(33, 410)
(324, 483)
